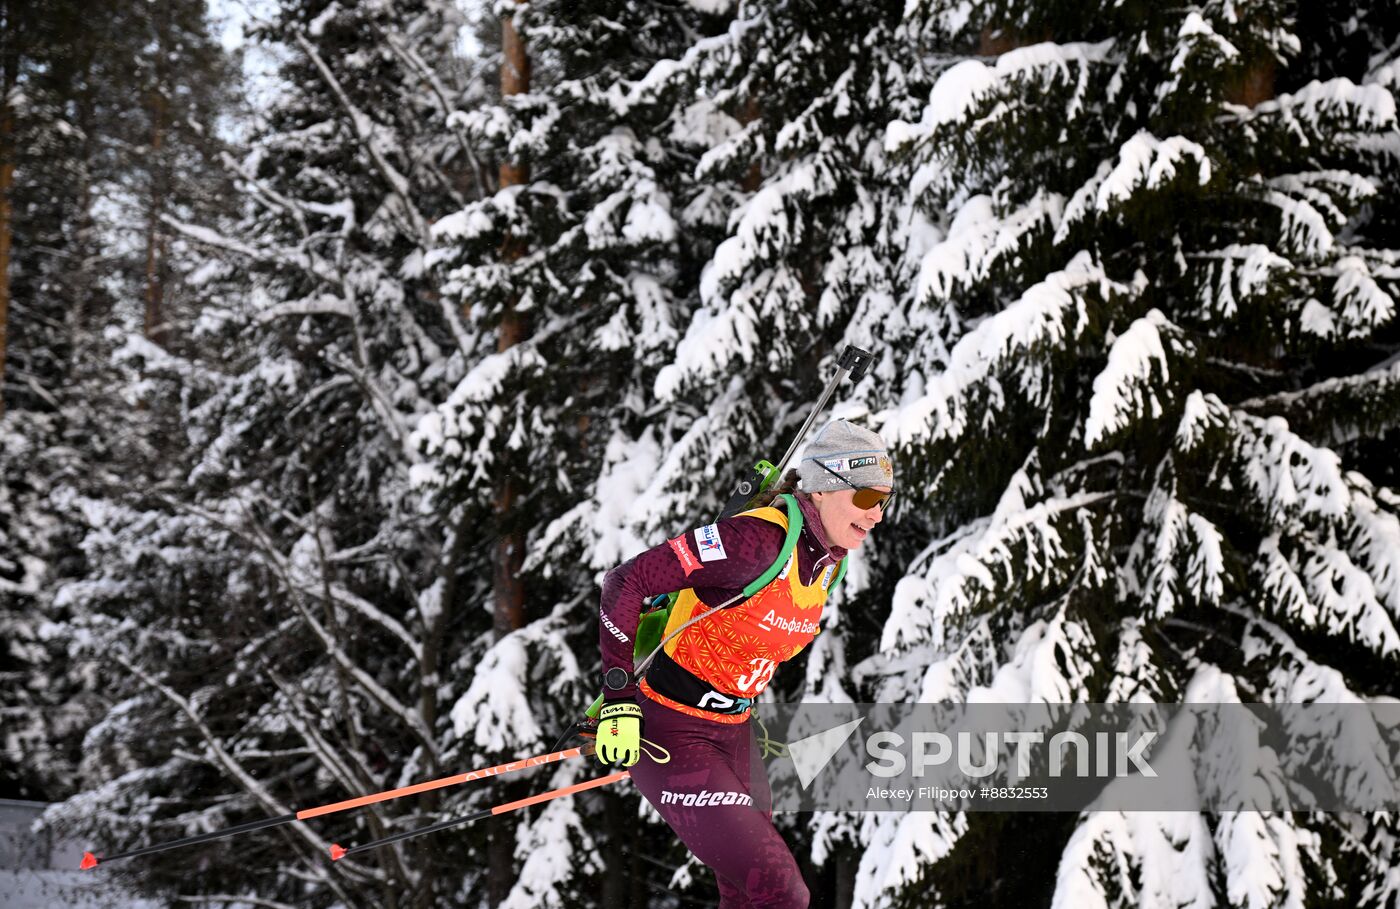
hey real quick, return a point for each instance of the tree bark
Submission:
(509, 612)
(846, 868)
(155, 327)
(508, 590)
(159, 105)
(994, 41)
(515, 80)
(7, 180)
(9, 74)
(1254, 85)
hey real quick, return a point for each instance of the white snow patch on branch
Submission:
(1146, 162)
(323, 304)
(1047, 315)
(1365, 307)
(1372, 106)
(495, 710)
(962, 87)
(1124, 390)
(977, 239)
(898, 849)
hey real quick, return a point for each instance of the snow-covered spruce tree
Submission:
(281, 607)
(41, 169)
(1150, 376)
(73, 276)
(45, 699)
(573, 266)
(799, 223)
(788, 213)
(782, 207)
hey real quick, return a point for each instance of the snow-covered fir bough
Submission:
(1161, 317)
(282, 608)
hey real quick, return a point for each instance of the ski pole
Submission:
(91, 861)
(339, 852)
(855, 363)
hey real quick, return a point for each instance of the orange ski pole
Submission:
(339, 852)
(91, 861)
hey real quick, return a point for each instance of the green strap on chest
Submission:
(794, 520)
(653, 622)
(794, 530)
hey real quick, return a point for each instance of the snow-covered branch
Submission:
(365, 131)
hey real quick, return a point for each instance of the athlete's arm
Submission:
(729, 554)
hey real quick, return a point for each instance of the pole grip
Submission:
(856, 361)
(853, 364)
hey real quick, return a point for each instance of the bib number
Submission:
(760, 677)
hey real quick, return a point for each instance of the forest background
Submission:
(326, 406)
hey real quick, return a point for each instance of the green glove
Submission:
(619, 733)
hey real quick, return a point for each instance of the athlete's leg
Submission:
(715, 796)
(731, 895)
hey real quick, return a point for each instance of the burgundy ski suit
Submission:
(714, 792)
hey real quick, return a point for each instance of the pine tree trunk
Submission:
(155, 328)
(9, 73)
(846, 867)
(449, 570)
(1255, 84)
(7, 179)
(155, 320)
(994, 41)
(515, 80)
(508, 591)
(89, 311)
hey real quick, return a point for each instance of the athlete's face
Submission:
(845, 524)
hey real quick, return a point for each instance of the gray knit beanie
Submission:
(857, 454)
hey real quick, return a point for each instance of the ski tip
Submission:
(337, 852)
(89, 861)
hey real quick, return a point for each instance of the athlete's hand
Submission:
(619, 733)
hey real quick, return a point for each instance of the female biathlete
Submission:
(694, 699)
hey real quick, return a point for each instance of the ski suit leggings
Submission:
(714, 793)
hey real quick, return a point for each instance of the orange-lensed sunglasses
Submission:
(865, 497)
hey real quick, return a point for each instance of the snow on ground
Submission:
(48, 889)
(38, 871)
